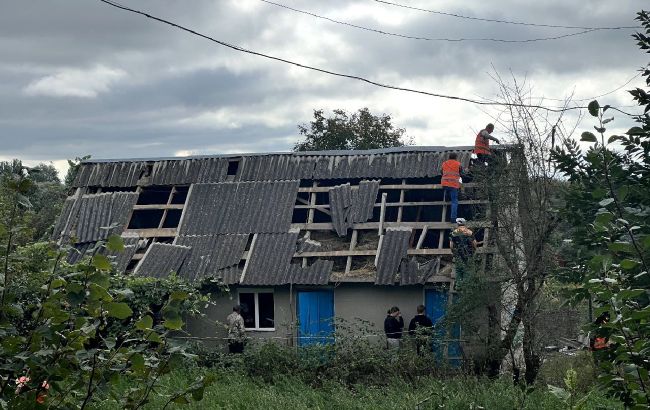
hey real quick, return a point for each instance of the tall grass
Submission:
(234, 390)
(355, 374)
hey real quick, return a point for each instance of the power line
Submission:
(595, 96)
(387, 33)
(333, 73)
(601, 95)
(520, 23)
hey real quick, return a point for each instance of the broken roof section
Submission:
(239, 217)
(352, 205)
(392, 249)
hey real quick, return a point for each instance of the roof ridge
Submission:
(391, 150)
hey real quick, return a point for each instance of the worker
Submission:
(482, 144)
(421, 328)
(451, 170)
(236, 330)
(463, 245)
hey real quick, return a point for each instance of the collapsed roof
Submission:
(256, 219)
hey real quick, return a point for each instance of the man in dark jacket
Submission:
(421, 327)
(393, 326)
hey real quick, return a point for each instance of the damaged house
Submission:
(299, 238)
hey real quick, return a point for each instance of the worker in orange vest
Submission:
(451, 170)
(482, 144)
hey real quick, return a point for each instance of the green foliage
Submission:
(569, 393)
(38, 194)
(608, 204)
(72, 331)
(344, 131)
(555, 368)
(73, 169)
(235, 390)
(353, 359)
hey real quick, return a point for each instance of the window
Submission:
(257, 309)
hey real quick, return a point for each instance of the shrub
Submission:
(554, 370)
(84, 332)
(354, 359)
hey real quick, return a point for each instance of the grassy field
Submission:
(233, 390)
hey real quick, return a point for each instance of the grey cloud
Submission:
(172, 77)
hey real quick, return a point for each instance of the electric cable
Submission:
(387, 33)
(329, 72)
(521, 23)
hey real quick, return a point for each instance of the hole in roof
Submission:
(249, 242)
(145, 218)
(180, 196)
(146, 171)
(154, 195)
(233, 166)
(299, 216)
(173, 218)
(131, 266)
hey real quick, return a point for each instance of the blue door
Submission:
(315, 317)
(435, 301)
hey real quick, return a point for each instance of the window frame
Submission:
(256, 293)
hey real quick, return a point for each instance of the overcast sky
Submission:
(80, 77)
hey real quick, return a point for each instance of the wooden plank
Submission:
(312, 202)
(378, 251)
(154, 232)
(159, 206)
(400, 210)
(353, 243)
(386, 187)
(325, 226)
(423, 234)
(382, 213)
(401, 204)
(310, 217)
(166, 210)
(373, 252)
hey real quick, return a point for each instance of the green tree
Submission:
(345, 131)
(74, 169)
(522, 187)
(43, 192)
(47, 198)
(608, 204)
